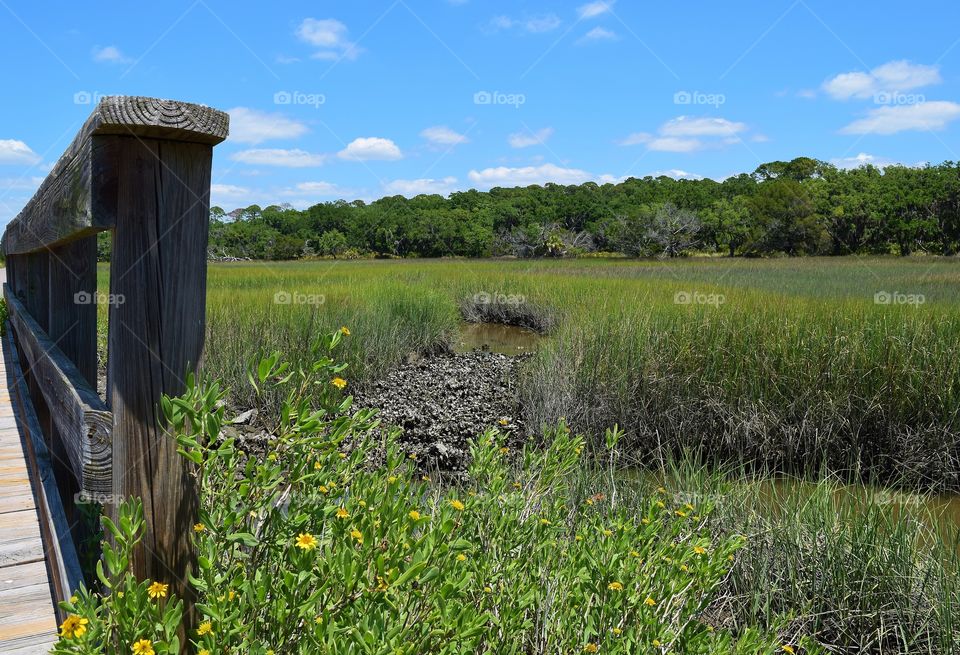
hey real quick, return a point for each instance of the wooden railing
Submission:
(139, 168)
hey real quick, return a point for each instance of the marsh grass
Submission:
(794, 366)
(858, 569)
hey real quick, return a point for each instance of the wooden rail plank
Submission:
(82, 420)
(78, 197)
(63, 565)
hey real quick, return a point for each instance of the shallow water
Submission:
(498, 338)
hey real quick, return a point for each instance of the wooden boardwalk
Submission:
(28, 622)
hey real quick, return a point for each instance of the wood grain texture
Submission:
(158, 267)
(82, 420)
(76, 200)
(28, 616)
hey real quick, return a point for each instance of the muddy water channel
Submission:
(498, 338)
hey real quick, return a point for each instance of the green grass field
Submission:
(788, 363)
(782, 365)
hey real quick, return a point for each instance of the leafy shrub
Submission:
(334, 543)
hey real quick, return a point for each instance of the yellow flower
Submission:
(516, 485)
(392, 479)
(649, 602)
(660, 504)
(578, 538)
(607, 533)
(656, 643)
(203, 651)
(590, 648)
(504, 450)
(142, 647)
(342, 455)
(199, 527)
(74, 599)
(683, 567)
(504, 421)
(634, 553)
(339, 383)
(488, 590)
(645, 521)
(317, 466)
(157, 590)
(545, 522)
(681, 514)
(425, 478)
(73, 626)
(205, 628)
(356, 534)
(345, 331)
(787, 648)
(414, 515)
(615, 586)
(700, 550)
(318, 620)
(617, 631)
(661, 490)
(457, 505)
(342, 513)
(689, 506)
(231, 595)
(306, 541)
(412, 456)
(461, 557)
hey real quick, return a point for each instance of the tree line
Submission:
(801, 207)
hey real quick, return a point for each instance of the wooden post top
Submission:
(156, 118)
(70, 202)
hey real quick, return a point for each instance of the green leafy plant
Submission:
(335, 542)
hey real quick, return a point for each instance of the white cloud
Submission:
(413, 188)
(371, 149)
(13, 151)
(862, 159)
(545, 23)
(675, 144)
(527, 139)
(318, 189)
(253, 127)
(227, 192)
(686, 126)
(592, 9)
(598, 34)
(934, 115)
(527, 175)
(892, 77)
(686, 134)
(111, 55)
(330, 35)
(635, 139)
(279, 157)
(533, 24)
(443, 136)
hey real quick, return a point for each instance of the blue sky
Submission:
(362, 99)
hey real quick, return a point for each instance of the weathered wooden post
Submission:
(162, 153)
(139, 167)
